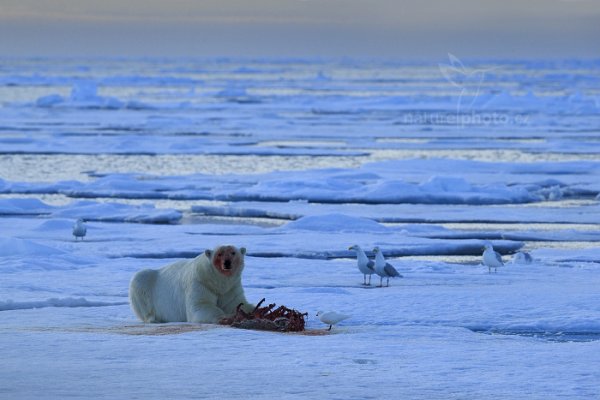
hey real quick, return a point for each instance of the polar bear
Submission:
(205, 289)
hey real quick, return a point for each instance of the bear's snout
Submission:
(227, 264)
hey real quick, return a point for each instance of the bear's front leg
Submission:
(205, 313)
(202, 306)
(232, 299)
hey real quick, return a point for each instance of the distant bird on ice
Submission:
(331, 318)
(383, 268)
(79, 229)
(522, 257)
(492, 258)
(366, 266)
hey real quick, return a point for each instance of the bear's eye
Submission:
(233, 253)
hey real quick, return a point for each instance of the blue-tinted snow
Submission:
(297, 160)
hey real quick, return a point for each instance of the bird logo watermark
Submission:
(471, 106)
(467, 80)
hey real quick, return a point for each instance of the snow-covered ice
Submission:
(297, 160)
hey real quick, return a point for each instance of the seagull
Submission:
(366, 266)
(331, 317)
(383, 268)
(79, 229)
(522, 257)
(492, 258)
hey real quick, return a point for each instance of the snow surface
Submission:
(90, 210)
(296, 160)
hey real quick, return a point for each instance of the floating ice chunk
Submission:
(55, 224)
(23, 206)
(229, 211)
(138, 105)
(392, 191)
(554, 193)
(233, 92)
(21, 247)
(54, 302)
(446, 184)
(506, 100)
(89, 210)
(84, 90)
(84, 94)
(50, 100)
(335, 223)
(237, 94)
(322, 77)
(144, 213)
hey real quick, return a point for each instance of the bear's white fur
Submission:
(205, 289)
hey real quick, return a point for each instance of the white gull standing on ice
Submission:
(79, 229)
(366, 266)
(491, 258)
(331, 317)
(383, 268)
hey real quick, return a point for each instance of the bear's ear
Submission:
(208, 253)
(243, 250)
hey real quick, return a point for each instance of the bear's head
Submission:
(228, 259)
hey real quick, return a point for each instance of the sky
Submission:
(321, 28)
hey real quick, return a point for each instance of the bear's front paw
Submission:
(225, 321)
